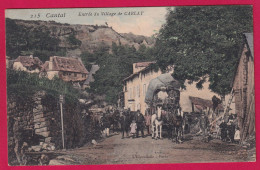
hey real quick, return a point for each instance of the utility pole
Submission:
(61, 114)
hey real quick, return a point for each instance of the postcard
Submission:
(132, 85)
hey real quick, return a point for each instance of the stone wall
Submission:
(34, 124)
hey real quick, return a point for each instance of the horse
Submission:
(175, 121)
(157, 122)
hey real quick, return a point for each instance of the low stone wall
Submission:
(34, 124)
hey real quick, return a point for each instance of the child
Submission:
(237, 135)
(133, 127)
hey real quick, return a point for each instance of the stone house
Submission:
(69, 69)
(27, 63)
(244, 89)
(135, 86)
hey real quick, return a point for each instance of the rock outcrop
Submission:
(91, 36)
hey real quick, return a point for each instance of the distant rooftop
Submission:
(69, 64)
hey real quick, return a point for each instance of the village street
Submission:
(114, 150)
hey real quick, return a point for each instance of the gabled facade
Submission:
(244, 89)
(135, 86)
(69, 69)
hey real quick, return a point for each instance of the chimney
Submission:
(134, 68)
(51, 63)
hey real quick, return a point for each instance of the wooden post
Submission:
(61, 113)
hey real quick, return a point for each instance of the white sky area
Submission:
(146, 24)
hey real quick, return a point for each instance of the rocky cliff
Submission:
(91, 36)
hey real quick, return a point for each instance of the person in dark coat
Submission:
(204, 124)
(148, 121)
(140, 123)
(231, 128)
(216, 101)
(223, 127)
(124, 121)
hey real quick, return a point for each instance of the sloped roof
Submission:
(204, 102)
(250, 42)
(141, 64)
(28, 61)
(144, 64)
(163, 80)
(67, 64)
(92, 71)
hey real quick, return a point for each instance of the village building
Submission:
(135, 88)
(205, 94)
(27, 63)
(69, 69)
(244, 89)
(90, 77)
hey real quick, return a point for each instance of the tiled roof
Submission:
(204, 102)
(250, 42)
(28, 61)
(141, 64)
(67, 64)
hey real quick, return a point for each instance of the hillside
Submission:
(90, 36)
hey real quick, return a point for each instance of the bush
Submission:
(24, 85)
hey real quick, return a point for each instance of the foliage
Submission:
(27, 39)
(87, 58)
(203, 42)
(114, 67)
(73, 40)
(24, 85)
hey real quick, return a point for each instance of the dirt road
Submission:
(114, 150)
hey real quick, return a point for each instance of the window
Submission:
(138, 106)
(138, 90)
(130, 93)
(75, 74)
(144, 89)
(133, 92)
(84, 75)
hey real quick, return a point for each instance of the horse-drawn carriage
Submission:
(163, 98)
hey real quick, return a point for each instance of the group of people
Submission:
(229, 130)
(132, 124)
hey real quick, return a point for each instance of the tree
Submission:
(203, 42)
(114, 67)
(22, 39)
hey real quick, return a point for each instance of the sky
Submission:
(139, 20)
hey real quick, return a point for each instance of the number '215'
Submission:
(35, 15)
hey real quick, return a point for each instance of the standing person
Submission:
(237, 135)
(216, 101)
(204, 123)
(148, 121)
(124, 124)
(223, 127)
(140, 123)
(231, 128)
(133, 128)
(106, 125)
